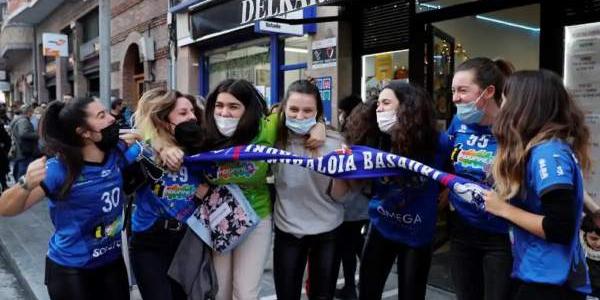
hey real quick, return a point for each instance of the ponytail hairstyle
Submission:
(537, 108)
(487, 72)
(58, 128)
(302, 87)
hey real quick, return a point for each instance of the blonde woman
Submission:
(542, 151)
(156, 235)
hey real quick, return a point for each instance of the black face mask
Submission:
(110, 137)
(189, 136)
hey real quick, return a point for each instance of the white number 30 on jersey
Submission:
(111, 199)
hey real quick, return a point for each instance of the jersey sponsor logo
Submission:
(177, 192)
(543, 168)
(97, 252)
(409, 219)
(238, 169)
(105, 173)
(110, 230)
(471, 158)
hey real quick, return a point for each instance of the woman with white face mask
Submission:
(236, 114)
(480, 250)
(402, 209)
(306, 218)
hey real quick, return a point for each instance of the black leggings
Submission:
(151, 254)
(106, 282)
(289, 260)
(349, 248)
(377, 260)
(530, 290)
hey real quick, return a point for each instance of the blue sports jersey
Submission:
(404, 208)
(551, 165)
(170, 196)
(474, 149)
(88, 220)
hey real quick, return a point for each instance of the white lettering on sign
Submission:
(253, 10)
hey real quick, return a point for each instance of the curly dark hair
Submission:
(361, 124)
(414, 136)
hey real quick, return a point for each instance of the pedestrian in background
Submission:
(25, 140)
(83, 184)
(356, 203)
(543, 146)
(5, 144)
(116, 110)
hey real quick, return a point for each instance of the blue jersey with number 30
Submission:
(88, 220)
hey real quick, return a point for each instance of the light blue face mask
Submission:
(301, 127)
(468, 113)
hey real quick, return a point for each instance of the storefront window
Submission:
(378, 69)
(296, 53)
(242, 61)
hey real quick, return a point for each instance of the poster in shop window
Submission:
(325, 86)
(324, 53)
(582, 79)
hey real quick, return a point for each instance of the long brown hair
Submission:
(302, 87)
(537, 108)
(414, 136)
(249, 126)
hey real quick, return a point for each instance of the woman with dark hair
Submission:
(236, 115)
(479, 246)
(83, 183)
(306, 218)
(351, 237)
(402, 209)
(543, 147)
(160, 115)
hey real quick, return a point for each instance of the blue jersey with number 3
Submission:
(551, 165)
(88, 220)
(474, 149)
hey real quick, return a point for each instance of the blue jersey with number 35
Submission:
(474, 149)
(88, 220)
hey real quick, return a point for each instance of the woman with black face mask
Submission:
(84, 186)
(160, 115)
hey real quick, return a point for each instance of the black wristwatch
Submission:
(23, 183)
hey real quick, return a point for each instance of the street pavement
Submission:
(10, 287)
(24, 243)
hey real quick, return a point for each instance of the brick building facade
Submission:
(139, 47)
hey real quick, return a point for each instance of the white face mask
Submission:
(227, 126)
(386, 120)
